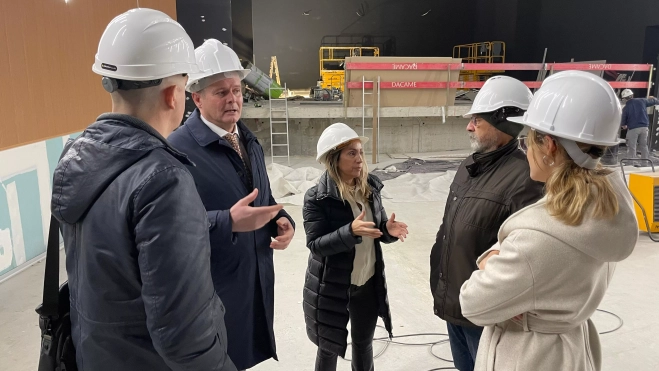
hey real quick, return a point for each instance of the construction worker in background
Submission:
(489, 186)
(539, 285)
(230, 166)
(135, 229)
(635, 120)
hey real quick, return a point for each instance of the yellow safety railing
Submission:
(484, 52)
(331, 60)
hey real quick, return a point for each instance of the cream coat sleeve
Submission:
(496, 246)
(502, 290)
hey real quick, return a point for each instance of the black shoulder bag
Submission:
(57, 351)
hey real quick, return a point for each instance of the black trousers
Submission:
(363, 318)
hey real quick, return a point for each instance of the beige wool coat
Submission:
(555, 275)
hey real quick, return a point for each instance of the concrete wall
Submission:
(282, 29)
(208, 19)
(606, 29)
(596, 30)
(397, 135)
(25, 192)
(579, 29)
(242, 30)
(515, 22)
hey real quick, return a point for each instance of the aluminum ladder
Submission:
(276, 119)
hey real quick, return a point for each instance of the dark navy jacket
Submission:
(241, 263)
(635, 114)
(137, 253)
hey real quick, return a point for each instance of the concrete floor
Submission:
(632, 296)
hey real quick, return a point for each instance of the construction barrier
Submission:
(550, 67)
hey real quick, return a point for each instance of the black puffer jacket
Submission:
(486, 190)
(328, 224)
(137, 253)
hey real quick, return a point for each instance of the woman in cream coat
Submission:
(539, 285)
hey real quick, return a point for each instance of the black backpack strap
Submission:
(51, 278)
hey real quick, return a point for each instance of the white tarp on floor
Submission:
(418, 187)
(289, 185)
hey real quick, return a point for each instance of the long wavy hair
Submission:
(361, 191)
(571, 189)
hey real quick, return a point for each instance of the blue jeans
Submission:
(464, 345)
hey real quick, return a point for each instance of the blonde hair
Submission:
(571, 189)
(361, 191)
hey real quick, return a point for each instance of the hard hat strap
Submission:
(134, 85)
(577, 155)
(111, 84)
(499, 119)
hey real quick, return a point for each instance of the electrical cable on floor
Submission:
(432, 345)
(388, 342)
(620, 322)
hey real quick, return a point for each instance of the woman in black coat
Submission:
(345, 222)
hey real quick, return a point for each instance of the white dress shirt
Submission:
(218, 130)
(364, 264)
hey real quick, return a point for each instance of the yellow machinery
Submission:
(645, 189)
(332, 58)
(485, 52)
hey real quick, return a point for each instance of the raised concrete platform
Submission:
(402, 129)
(307, 110)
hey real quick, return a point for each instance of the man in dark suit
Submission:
(230, 166)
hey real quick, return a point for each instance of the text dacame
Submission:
(405, 66)
(403, 84)
(599, 66)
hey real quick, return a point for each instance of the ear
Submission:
(196, 98)
(550, 145)
(169, 94)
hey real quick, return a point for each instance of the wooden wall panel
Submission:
(47, 49)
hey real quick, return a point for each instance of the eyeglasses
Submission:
(475, 120)
(523, 143)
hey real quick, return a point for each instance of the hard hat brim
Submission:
(139, 73)
(521, 120)
(476, 111)
(321, 157)
(241, 74)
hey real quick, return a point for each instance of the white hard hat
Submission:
(627, 93)
(334, 136)
(499, 92)
(216, 61)
(142, 45)
(575, 106)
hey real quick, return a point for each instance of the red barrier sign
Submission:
(473, 85)
(497, 66)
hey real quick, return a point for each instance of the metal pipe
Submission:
(650, 82)
(363, 106)
(377, 154)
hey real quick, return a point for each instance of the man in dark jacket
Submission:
(230, 165)
(489, 186)
(635, 120)
(134, 228)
